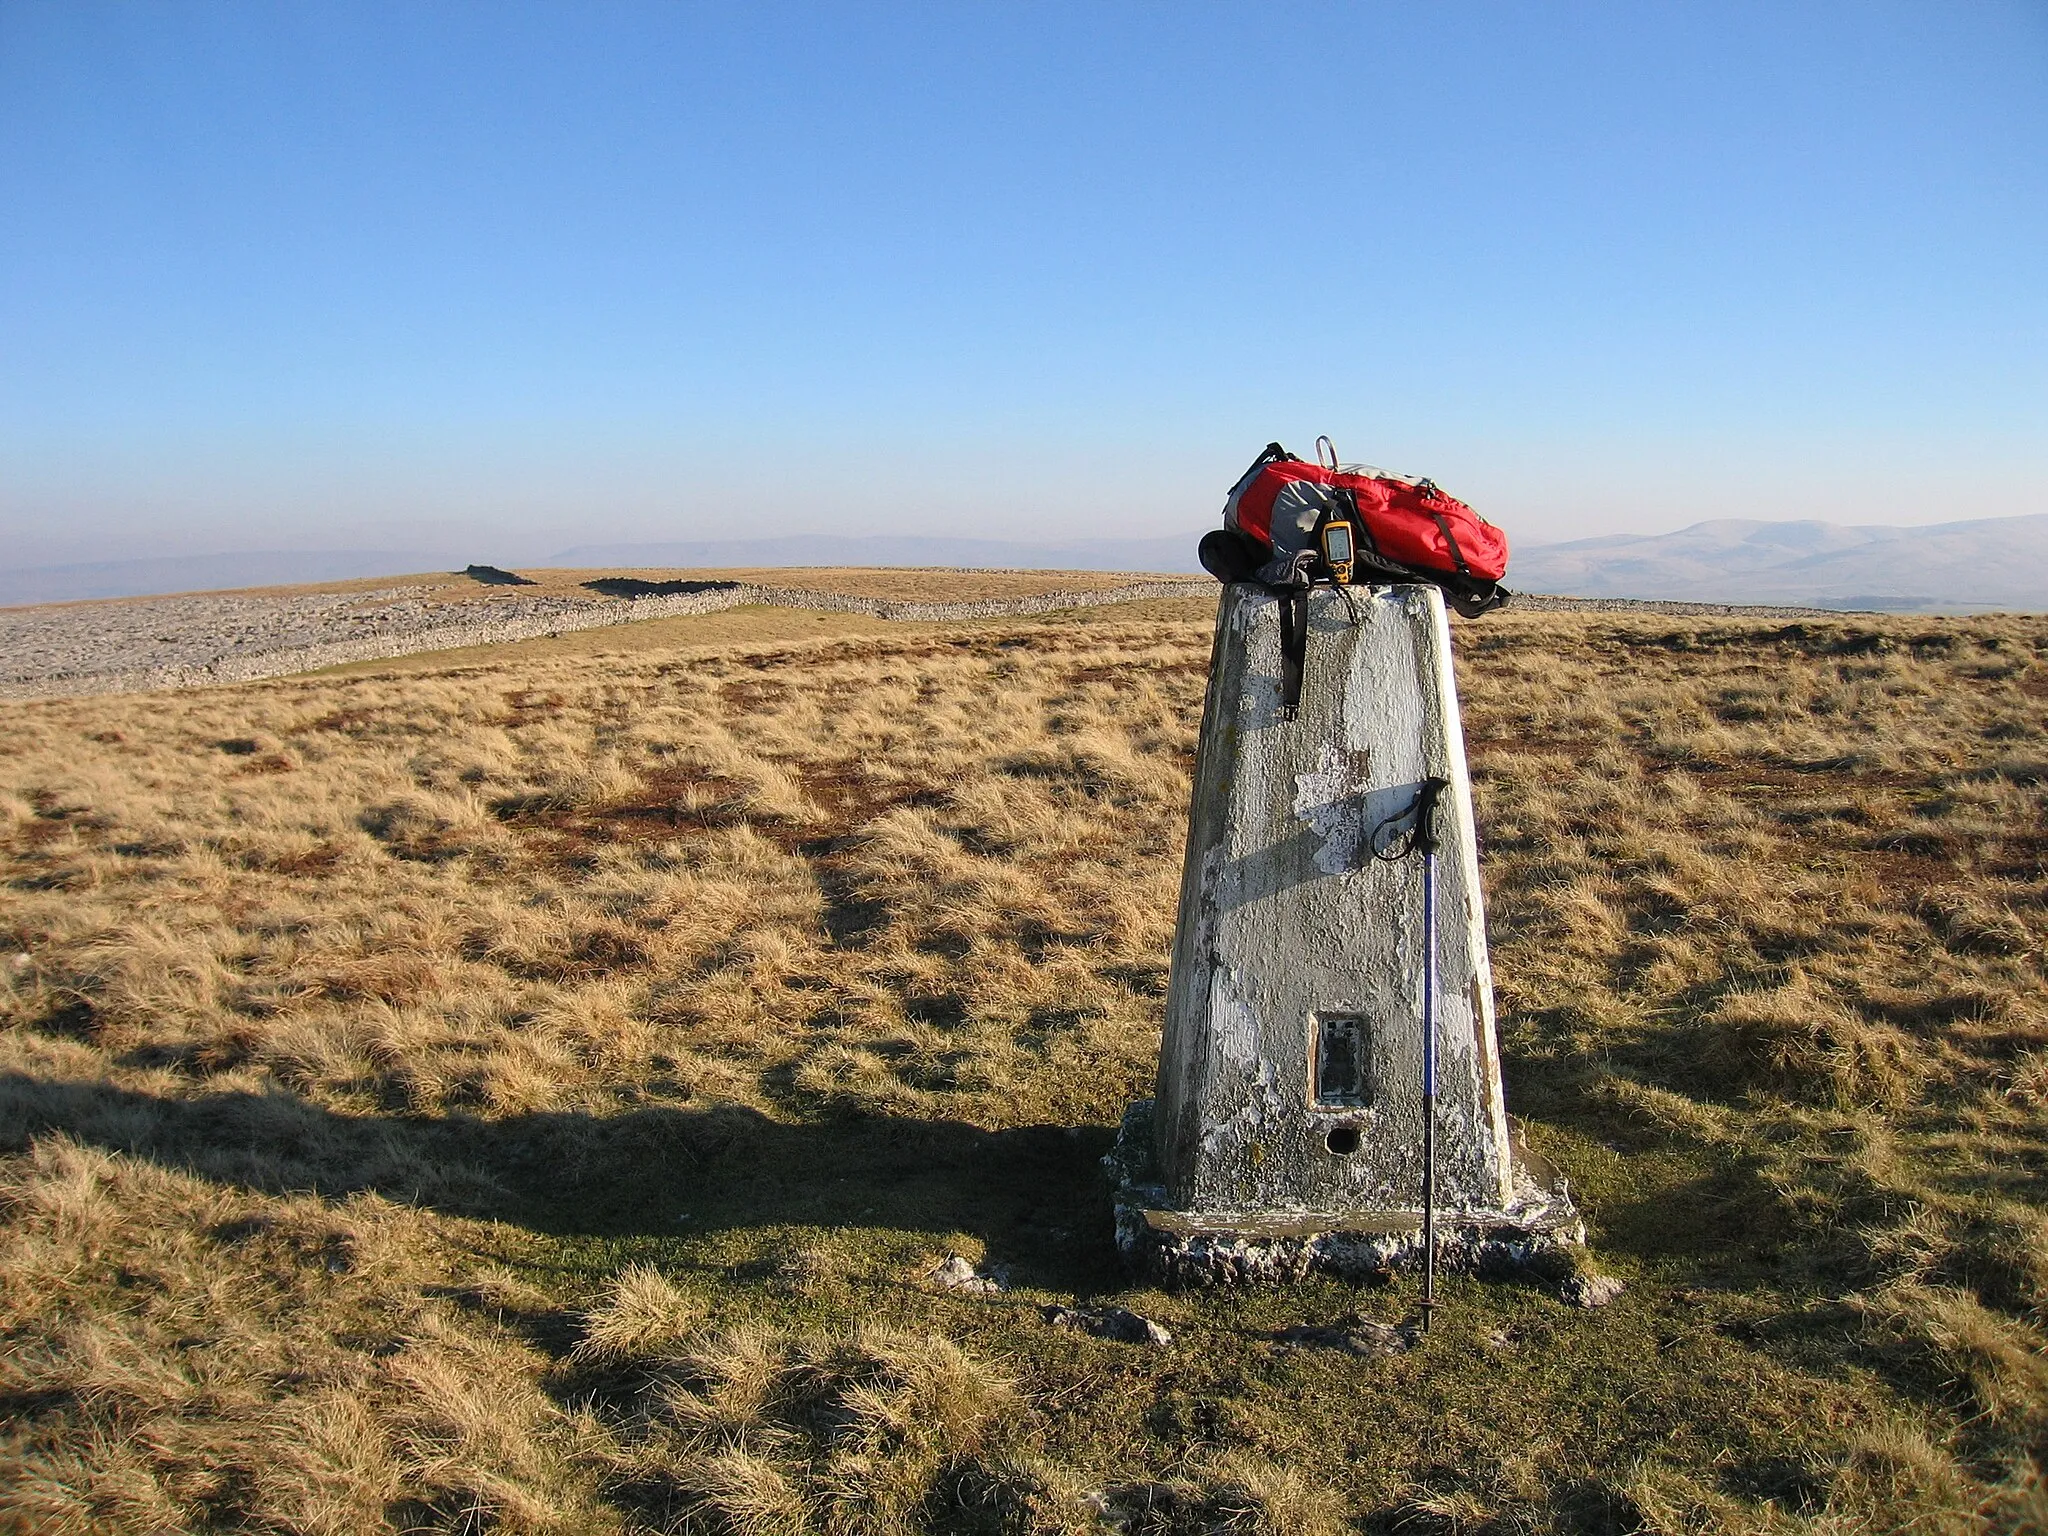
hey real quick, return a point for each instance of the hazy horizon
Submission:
(1964, 566)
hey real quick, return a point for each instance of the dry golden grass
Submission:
(521, 1090)
(182, 1355)
(466, 894)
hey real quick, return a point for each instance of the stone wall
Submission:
(433, 633)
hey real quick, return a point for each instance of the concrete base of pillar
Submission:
(1191, 1248)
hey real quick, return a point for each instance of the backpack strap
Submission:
(1273, 454)
(1293, 645)
(1450, 538)
(1429, 494)
(1292, 593)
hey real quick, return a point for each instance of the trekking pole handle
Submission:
(1412, 829)
(1426, 797)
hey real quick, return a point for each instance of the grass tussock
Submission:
(640, 1314)
(183, 1358)
(753, 1432)
(526, 1090)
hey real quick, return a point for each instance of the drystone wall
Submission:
(202, 641)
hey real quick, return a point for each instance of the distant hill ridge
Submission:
(1166, 556)
(1985, 563)
(267, 568)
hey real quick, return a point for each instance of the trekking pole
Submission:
(1425, 843)
(1420, 837)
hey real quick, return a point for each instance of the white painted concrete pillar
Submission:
(1290, 1080)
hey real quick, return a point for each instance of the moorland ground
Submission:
(530, 1089)
(148, 644)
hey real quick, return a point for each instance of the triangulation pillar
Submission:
(1287, 1129)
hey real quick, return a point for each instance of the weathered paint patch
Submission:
(1331, 798)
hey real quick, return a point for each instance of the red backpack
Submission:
(1291, 523)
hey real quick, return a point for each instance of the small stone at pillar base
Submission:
(1197, 1248)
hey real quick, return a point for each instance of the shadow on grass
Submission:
(611, 1189)
(633, 586)
(1656, 1190)
(1034, 1194)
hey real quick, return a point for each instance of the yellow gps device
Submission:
(1337, 552)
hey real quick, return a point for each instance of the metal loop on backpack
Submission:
(1321, 444)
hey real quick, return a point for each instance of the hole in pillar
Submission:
(1342, 1140)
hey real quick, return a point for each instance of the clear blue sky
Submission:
(363, 275)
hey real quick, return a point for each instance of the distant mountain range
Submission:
(1991, 563)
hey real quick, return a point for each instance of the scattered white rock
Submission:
(176, 642)
(19, 964)
(1118, 1323)
(1589, 1290)
(956, 1274)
